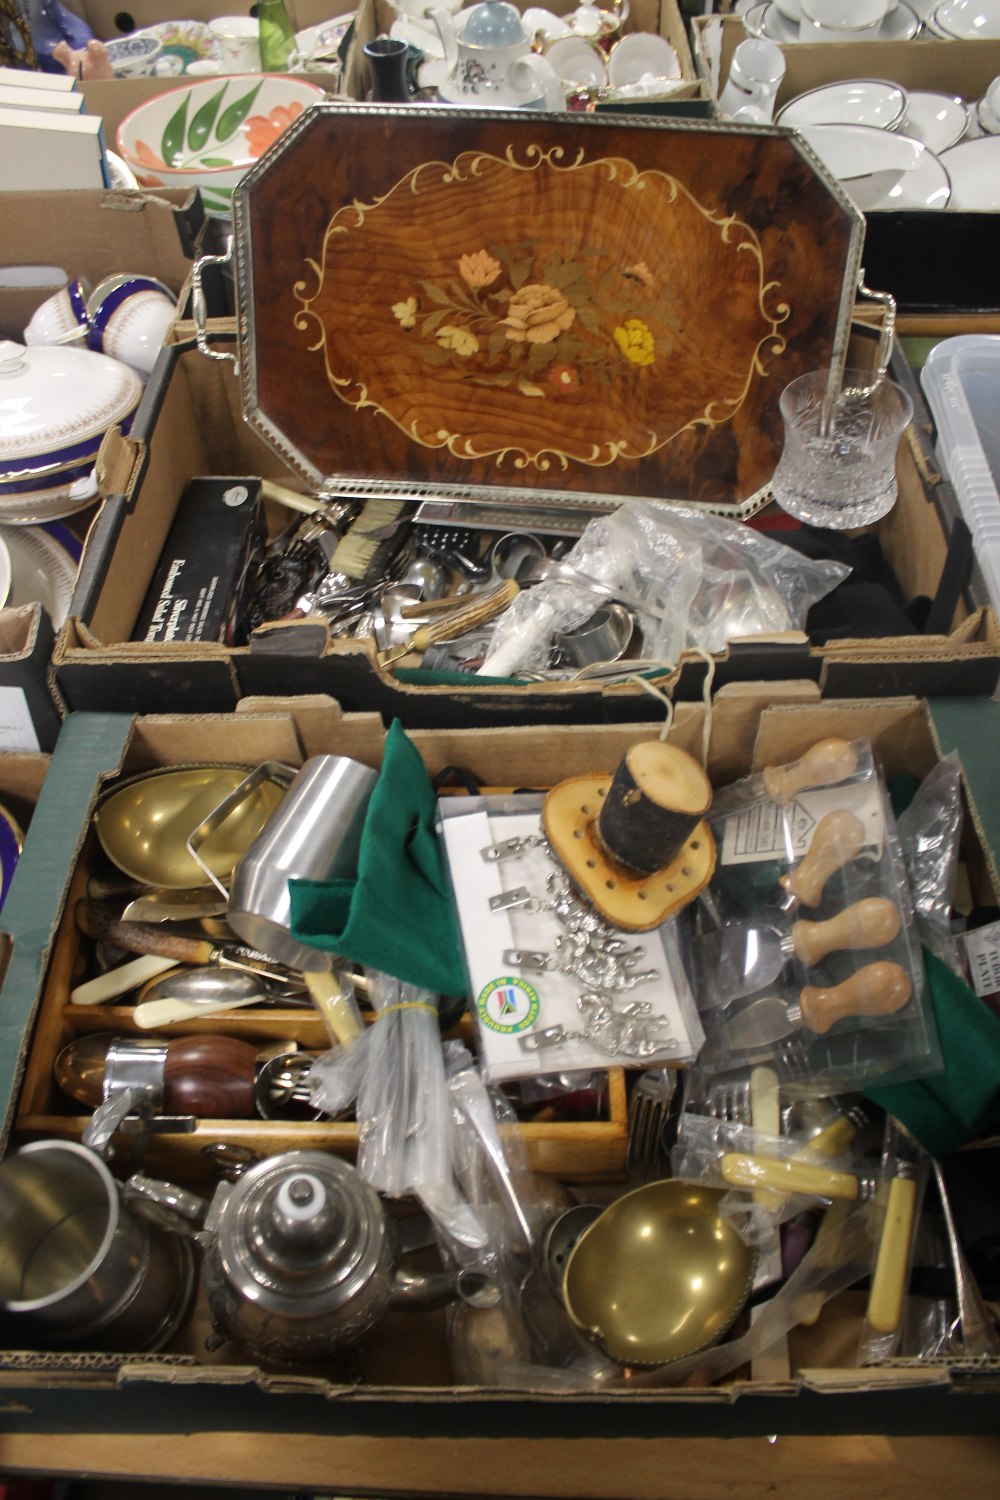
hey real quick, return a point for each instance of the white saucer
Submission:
(928, 186)
(968, 20)
(857, 101)
(974, 169)
(41, 570)
(938, 120)
(900, 24)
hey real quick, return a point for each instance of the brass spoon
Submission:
(143, 826)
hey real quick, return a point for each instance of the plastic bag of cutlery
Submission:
(803, 951)
(766, 1179)
(903, 1178)
(693, 580)
(930, 832)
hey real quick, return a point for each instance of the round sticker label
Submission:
(508, 1005)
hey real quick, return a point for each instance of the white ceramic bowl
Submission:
(974, 169)
(206, 135)
(939, 120)
(56, 404)
(133, 56)
(858, 101)
(867, 162)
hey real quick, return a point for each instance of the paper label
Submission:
(983, 950)
(17, 728)
(765, 831)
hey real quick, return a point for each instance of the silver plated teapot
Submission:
(300, 1257)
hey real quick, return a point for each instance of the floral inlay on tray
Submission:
(539, 308)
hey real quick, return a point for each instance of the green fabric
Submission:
(961, 1103)
(397, 915)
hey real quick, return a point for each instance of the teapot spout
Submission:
(420, 1291)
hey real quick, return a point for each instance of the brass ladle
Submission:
(143, 826)
(659, 1275)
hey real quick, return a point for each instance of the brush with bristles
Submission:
(371, 541)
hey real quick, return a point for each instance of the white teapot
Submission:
(490, 61)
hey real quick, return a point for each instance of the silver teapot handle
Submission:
(199, 311)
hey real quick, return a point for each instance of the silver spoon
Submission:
(190, 993)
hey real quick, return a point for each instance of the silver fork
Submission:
(649, 1108)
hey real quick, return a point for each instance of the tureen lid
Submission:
(53, 399)
(493, 23)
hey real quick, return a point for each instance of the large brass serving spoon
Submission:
(144, 825)
(659, 1274)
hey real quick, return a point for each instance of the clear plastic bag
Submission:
(395, 1072)
(695, 580)
(896, 1213)
(930, 832)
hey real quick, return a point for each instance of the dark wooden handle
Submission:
(141, 937)
(838, 838)
(211, 1077)
(871, 923)
(826, 763)
(656, 799)
(876, 990)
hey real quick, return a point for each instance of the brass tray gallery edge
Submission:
(564, 310)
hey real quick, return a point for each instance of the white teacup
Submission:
(640, 56)
(840, 20)
(239, 42)
(129, 319)
(577, 62)
(61, 318)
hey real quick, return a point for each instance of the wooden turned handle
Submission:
(872, 923)
(838, 839)
(826, 763)
(876, 990)
(211, 1077)
(888, 1288)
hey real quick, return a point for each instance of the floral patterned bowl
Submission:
(205, 135)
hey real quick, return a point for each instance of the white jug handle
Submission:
(449, 36)
(533, 75)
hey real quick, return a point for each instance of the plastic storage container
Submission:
(961, 380)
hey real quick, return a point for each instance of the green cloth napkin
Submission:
(961, 1103)
(397, 914)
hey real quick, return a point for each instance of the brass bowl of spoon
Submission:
(659, 1275)
(143, 825)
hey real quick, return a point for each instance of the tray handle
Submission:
(199, 310)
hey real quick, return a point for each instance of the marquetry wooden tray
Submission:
(557, 308)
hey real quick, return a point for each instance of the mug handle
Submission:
(528, 74)
(270, 770)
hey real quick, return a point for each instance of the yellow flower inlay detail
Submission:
(405, 313)
(635, 341)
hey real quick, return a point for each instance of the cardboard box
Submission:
(375, 17)
(930, 261)
(190, 424)
(401, 1382)
(29, 719)
(94, 234)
